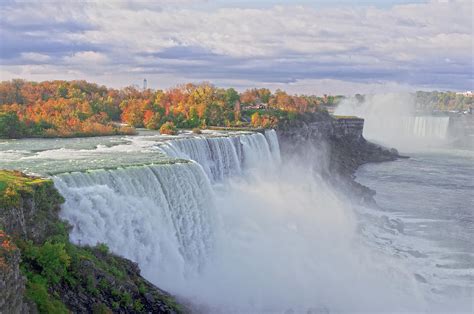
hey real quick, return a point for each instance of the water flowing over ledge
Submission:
(162, 216)
(223, 157)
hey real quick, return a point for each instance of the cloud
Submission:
(35, 57)
(422, 45)
(87, 58)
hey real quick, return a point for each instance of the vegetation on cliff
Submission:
(62, 277)
(79, 108)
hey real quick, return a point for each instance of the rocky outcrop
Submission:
(334, 146)
(56, 275)
(12, 282)
(30, 208)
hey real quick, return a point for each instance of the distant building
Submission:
(257, 106)
(466, 93)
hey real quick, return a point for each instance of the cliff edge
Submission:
(334, 146)
(41, 271)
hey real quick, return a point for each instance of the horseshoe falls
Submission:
(427, 127)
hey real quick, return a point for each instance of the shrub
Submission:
(103, 248)
(54, 261)
(37, 291)
(138, 306)
(168, 128)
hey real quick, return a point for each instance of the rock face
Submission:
(335, 147)
(12, 282)
(56, 275)
(32, 212)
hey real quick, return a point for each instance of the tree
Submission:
(133, 112)
(152, 120)
(214, 115)
(256, 119)
(168, 128)
(10, 125)
(231, 98)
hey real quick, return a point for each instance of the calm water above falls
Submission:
(428, 199)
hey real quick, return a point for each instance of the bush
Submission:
(37, 291)
(54, 260)
(168, 128)
(103, 248)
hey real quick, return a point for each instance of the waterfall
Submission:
(427, 127)
(269, 239)
(272, 140)
(224, 157)
(161, 216)
(148, 214)
(219, 157)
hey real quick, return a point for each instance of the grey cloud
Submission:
(421, 44)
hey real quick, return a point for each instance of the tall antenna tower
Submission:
(145, 83)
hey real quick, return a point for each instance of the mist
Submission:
(270, 236)
(286, 240)
(391, 120)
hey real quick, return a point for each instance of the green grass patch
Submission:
(16, 179)
(346, 117)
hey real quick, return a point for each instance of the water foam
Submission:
(270, 239)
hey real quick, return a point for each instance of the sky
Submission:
(302, 46)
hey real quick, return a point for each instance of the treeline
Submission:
(443, 101)
(79, 108)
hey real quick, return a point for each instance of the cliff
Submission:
(334, 146)
(41, 271)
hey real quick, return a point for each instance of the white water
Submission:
(390, 119)
(148, 214)
(274, 239)
(224, 157)
(426, 204)
(427, 127)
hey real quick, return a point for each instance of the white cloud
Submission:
(89, 58)
(35, 57)
(401, 45)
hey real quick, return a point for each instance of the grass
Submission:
(14, 183)
(17, 180)
(346, 117)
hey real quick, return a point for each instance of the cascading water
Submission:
(271, 239)
(150, 213)
(219, 157)
(272, 140)
(427, 127)
(224, 157)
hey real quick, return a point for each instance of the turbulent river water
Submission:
(427, 211)
(223, 223)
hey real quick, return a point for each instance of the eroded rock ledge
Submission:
(334, 146)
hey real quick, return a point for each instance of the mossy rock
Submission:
(61, 276)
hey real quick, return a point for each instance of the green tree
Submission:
(10, 125)
(231, 97)
(214, 115)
